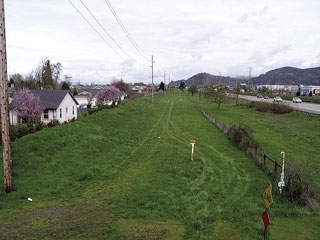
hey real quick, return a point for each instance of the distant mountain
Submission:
(205, 79)
(279, 76)
(289, 76)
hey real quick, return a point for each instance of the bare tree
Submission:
(237, 92)
(193, 89)
(217, 93)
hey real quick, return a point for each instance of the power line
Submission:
(140, 51)
(115, 42)
(157, 67)
(97, 31)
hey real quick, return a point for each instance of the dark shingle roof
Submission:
(50, 99)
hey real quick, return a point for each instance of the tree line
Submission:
(217, 93)
(45, 76)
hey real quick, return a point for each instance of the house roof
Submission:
(86, 91)
(50, 99)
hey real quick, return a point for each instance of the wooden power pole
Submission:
(152, 79)
(6, 152)
(164, 81)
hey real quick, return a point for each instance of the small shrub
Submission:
(30, 125)
(13, 138)
(50, 124)
(300, 185)
(263, 107)
(24, 131)
(91, 111)
(280, 108)
(296, 189)
(65, 122)
(39, 126)
(242, 136)
(252, 104)
(55, 122)
(73, 119)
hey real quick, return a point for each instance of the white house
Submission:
(83, 96)
(59, 105)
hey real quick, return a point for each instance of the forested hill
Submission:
(289, 76)
(279, 76)
(206, 79)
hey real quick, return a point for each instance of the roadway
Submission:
(313, 108)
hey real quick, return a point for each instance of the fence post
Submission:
(264, 160)
(275, 169)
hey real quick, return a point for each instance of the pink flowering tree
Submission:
(27, 105)
(90, 98)
(109, 94)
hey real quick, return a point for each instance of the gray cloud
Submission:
(185, 37)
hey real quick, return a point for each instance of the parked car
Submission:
(296, 100)
(277, 99)
(259, 95)
(266, 97)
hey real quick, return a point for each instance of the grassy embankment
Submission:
(296, 134)
(126, 174)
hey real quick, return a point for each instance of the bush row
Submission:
(242, 137)
(270, 107)
(21, 130)
(300, 183)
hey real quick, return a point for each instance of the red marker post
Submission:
(267, 196)
(265, 218)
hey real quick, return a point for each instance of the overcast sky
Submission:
(185, 36)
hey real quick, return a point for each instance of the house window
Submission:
(46, 114)
(72, 110)
(66, 109)
(60, 112)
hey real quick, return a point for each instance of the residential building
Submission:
(58, 105)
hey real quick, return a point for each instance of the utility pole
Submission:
(250, 70)
(6, 152)
(164, 81)
(152, 79)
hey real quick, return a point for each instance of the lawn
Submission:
(126, 173)
(296, 134)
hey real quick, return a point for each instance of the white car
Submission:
(277, 99)
(296, 100)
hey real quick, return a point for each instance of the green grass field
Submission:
(126, 173)
(296, 134)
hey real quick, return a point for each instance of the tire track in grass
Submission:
(150, 131)
(225, 188)
(127, 182)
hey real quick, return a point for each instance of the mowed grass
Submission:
(296, 134)
(126, 173)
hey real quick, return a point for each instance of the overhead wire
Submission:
(124, 29)
(97, 32)
(115, 42)
(157, 67)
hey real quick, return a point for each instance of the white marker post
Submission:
(193, 142)
(281, 184)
